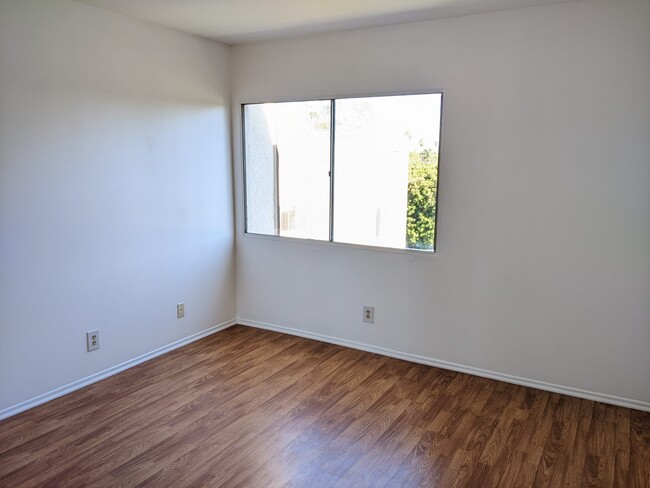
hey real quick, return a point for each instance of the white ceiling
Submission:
(237, 21)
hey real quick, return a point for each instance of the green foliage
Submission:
(421, 203)
(320, 119)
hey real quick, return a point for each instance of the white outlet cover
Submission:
(92, 340)
(369, 315)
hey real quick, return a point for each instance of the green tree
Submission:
(421, 202)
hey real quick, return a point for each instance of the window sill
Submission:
(357, 247)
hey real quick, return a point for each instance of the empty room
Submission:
(325, 243)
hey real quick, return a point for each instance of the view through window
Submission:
(354, 170)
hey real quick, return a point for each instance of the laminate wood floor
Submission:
(252, 408)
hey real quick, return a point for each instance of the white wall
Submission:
(543, 263)
(115, 191)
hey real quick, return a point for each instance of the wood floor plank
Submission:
(252, 408)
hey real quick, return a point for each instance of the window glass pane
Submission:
(287, 160)
(386, 170)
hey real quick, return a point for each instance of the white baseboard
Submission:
(76, 385)
(541, 385)
(566, 390)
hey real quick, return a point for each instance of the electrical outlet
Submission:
(180, 310)
(92, 340)
(369, 315)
